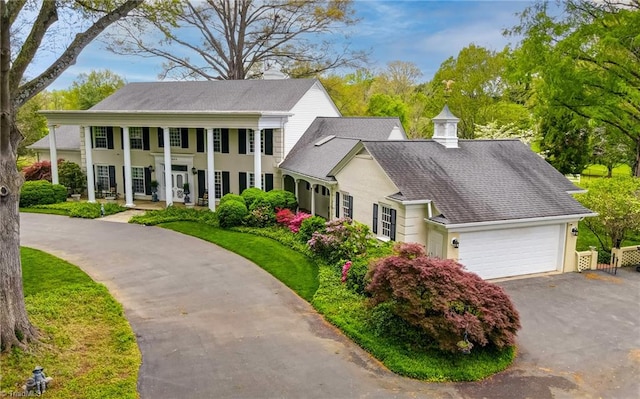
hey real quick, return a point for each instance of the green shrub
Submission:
(88, 210)
(282, 199)
(176, 214)
(231, 197)
(310, 226)
(357, 275)
(260, 216)
(41, 192)
(231, 213)
(342, 239)
(252, 194)
(72, 177)
(440, 298)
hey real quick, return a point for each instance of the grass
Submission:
(597, 171)
(295, 270)
(321, 286)
(86, 343)
(586, 238)
(84, 210)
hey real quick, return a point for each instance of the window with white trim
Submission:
(102, 177)
(252, 180)
(137, 178)
(100, 137)
(386, 221)
(218, 183)
(250, 141)
(347, 202)
(217, 140)
(175, 137)
(135, 138)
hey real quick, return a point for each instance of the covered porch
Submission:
(314, 195)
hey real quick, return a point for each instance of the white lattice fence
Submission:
(585, 260)
(629, 256)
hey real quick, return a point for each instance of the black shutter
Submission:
(185, 137)
(242, 141)
(351, 206)
(225, 183)
(337, 204)
(393, 225)
(200, 140)
(112, 176)
(268, 181)
(92, 140)
(375, 219)
(145, 140)
(160, 137)
(124, 179)
(202, 185)
(122, 138)
(110, 137)
(268, 142)
(225, 140)
(242, 176)
(147, 177)
(96, 184)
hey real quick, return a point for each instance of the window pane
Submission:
(218, 181)
(135, 138)
(386, 221)
(102, 181)
(100, 136)
(137, 177)
(175, 137)
(217, 140)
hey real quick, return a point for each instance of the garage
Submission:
(512, 252)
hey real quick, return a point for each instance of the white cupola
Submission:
(445, 128)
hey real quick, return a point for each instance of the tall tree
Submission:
(587, 61)
(16, 88)
(89, 89)
(237, 39)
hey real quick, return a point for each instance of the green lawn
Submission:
(596, 171)
(347, 310)
(586, 238)
(86, 343)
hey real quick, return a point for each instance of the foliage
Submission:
(89, 89)
(441, 298)
(358, 274)
(386, 105)
(565, 141)
(176, 214)
(252, 194)
(72, 177)
(243, 40)
(31, 123)
(342, 239)
(260, 216)
(41, 192)
(38, 171)
(617, 202)
(231, 213)
(284, 216)
(493, 131)
(231, 197)
(86, 341)
(280, 199)
(584, 61)
(84, 210)
(282, 235)
(307, 225)
(587, 239)
(294, 269)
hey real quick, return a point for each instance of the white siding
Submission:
(316, 102)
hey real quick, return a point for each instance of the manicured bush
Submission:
(41, 192)
(38, 171)
(251, 194)
(342, 239)
(72, 177)
(310, 225)
(280, 199)
(260, 216)
(442, 299)
(356, 277)
(232, 197)
(231, 213)
(176, 214)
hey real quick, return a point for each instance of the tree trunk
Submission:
(15, 328)
(636, 166)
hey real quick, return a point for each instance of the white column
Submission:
(295, 189)
(128, 181)
(53, 153)
(168, 193)
(88, 155)
(313, 199)
(257, 159)
(211, 177)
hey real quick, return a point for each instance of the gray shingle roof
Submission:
(221, 95)
(483, 180)
(67, 138)
(315, 161)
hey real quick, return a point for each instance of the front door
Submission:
(179, 176)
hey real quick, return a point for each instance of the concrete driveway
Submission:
(212, 325)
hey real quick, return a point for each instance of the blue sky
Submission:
(420, 31)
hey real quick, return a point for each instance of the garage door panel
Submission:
(512, 252)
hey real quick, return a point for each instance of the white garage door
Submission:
(512, 252)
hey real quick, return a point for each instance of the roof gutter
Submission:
(496, 224)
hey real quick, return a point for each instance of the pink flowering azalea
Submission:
(345, 271)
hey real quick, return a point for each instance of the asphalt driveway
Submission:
(211, 324)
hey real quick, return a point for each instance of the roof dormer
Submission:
(445, 128)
